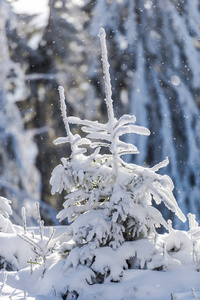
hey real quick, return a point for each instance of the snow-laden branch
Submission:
(160, 165)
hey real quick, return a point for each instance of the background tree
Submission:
(19, 178)
(54, 55)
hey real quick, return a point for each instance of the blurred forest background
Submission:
(154, 53)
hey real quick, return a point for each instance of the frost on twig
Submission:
(40, 221)
(107, 79)
(64, 113)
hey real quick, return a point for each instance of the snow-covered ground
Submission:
(180, 281)
(137, 284)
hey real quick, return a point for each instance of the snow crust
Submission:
(178, 277)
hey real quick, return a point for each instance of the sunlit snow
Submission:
(31, 7)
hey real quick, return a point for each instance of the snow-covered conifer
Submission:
(109, 200)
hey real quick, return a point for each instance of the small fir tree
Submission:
(109, 200)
